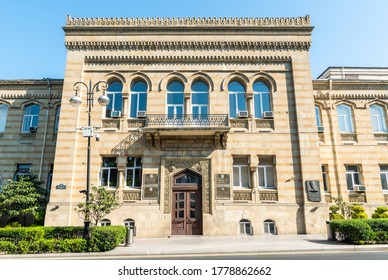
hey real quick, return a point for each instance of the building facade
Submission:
(214, 127)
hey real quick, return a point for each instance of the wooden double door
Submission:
(187, 204)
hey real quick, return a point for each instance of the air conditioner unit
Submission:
(115, 114)
(33, 128)
(267, 114)
(359, 188)
(141, 114)
(321, 128)
(243, 114)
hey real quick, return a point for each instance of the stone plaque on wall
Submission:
(313, 190)
(151, 186)
(222, 185)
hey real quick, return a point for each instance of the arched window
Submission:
(138, 99)
(237, 99)
(30, 118)
(57, 114)
(105, 223)
(115, 95)
(318, 118)
(3, 116)
(345, 119)
(245, 227)
(262, 99)
(379, 121)
(200, 98)
(175, 99)
(269, 227)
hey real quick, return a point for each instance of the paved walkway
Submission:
(177, 245)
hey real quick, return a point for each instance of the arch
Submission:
(5, 102)
(192, 177)
(373, 102)
(31, 102)
(140, 76)
(114, 76)
(345, 117)
(171, 77)
(200, 76)
(245, 227)
(270, 227)
(265, 78)
(378, 114)
(105, 222)
(235, 76)
(345, 102)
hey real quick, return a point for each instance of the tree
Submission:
(101, 203)
(380, 213)
(358, 212)
(342, 206)
(22, 198)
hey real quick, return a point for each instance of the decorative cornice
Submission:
(14, 95)
(188, 22)
(354, 96)
(189, 46)
(350, 85)
(184, 58)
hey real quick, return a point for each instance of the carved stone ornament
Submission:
(176, 165)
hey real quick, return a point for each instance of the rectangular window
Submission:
(30, 117)
(384, 177)
(353, 177)
(3, 116)
(22, 170)
(324, 178)
(115, 104)
(138, 103)
(241, 172)
(237, 104)
(57, 113)
(109, 172)
(133, 172)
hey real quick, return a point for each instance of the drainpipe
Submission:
(45, 129)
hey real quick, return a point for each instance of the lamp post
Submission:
(75, 101)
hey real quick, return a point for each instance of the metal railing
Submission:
(184, 121)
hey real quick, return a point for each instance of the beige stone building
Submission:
(214, 127)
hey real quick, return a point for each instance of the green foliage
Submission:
(380, 213)
(13, 225)
(59, 239)
(351, 231)
(106, 238)
(101, 203)
(378, 224)
(342, 206)
(358, 212)
(20, 198)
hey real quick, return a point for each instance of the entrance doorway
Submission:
(187, 204)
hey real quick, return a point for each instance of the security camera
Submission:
(98, 137)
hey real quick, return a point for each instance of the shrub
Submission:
(18, 234)
(351, 231)
(358, 212)
(378, 224)
(8, 247)
(106, 238)
(63, 232)
(380, 212)
(72, 245)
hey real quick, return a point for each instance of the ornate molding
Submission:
(189, 45)
(174, 166)
(242, 195)
(183, 58)
(355, 96)
(187, 21)
(24, 95)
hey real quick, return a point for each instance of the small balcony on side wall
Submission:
(206, 128)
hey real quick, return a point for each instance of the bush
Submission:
(7, 247)
(63, 232)
(358, 212)
(380, 212)
(106, 238)
(19, 234)
(72, 245)
(378, 224)
(351, 231)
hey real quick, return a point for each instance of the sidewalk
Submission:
(177, 245)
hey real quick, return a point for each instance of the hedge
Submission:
(59, 239)
(360, 231)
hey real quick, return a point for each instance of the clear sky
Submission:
(346, 33)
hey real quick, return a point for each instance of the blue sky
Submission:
(347, 32)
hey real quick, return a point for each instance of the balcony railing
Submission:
(187, 121)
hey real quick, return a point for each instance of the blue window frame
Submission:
(200, 98)
(237, 99)
(318, 117)
(175, 99)
(262, 99)
(115, 95)
(379, 122)
(30, 117)
(138, 98)
(345, 119)
(3, 116)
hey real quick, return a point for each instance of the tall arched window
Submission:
(115, 95)
(379, 121)
(175, 99)
(31, 118)
(237, 99)
(57, 115)
(318, 118)
(200, 98)
(138, 99)
(3, 116)
(262, 99)
(345, 119)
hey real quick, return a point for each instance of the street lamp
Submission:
(88, 130)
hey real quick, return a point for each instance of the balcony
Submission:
(182, 123)
(179, 131)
